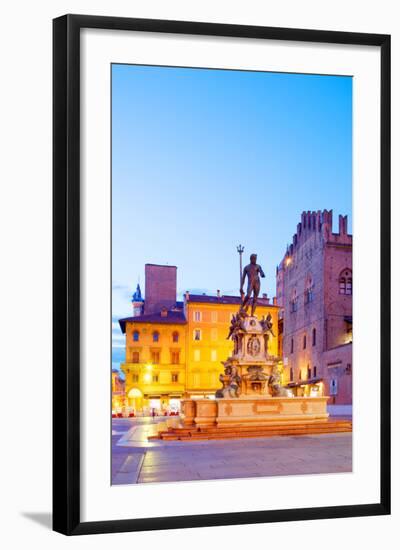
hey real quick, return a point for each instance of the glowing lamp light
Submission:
(288, 261)
(149, 366)
(147, 377)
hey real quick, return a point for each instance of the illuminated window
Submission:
(175, 336)
(156, 336)
(346, 282)
(174, 377)
(175, 357)
(314, 336)
(155, 356)
(214, 334)
(214, 355)
(197, 316)
(197, 334)
(196, 355)
(135, 357)
(135, 336)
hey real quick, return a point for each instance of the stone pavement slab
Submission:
(136, 460)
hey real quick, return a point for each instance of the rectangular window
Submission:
(214, 355)
(175, 357)
(333, 387)
(291, 374)
(214, 334)
(304, 342)
(155, 357)
(135, 378)
(175, 377)
(197, 334)
(308, 296)
(291, 345)
(308, 373)
(315, 372)
(135, 357)
(155, 378)
(214, 316)
(197, 316)
(196, 355)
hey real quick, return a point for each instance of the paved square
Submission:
(137, 460)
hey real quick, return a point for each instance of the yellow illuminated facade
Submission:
(174, 354)
(154, 365)
(207, 344)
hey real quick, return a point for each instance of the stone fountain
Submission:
(251, 401)
(251, 394)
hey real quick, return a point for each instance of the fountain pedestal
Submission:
(251, 401)
(251, 394)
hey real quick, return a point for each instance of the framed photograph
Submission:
(221, 231)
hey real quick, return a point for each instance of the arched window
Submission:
(309, 290)
(156, 336)
(135, 336)
(294, 301)
(175, 336)
(314, 336)
(346, 282)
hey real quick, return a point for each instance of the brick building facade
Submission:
(314, 289)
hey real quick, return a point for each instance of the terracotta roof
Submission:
(235, 300)
(172, 318)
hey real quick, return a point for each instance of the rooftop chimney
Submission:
(164, 312)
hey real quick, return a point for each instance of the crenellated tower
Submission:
(314, 288)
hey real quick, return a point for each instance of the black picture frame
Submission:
(66, 273)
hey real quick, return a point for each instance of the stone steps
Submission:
(192, 434)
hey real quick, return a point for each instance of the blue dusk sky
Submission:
(205, 159)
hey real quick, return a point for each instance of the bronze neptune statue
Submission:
(252, 271)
